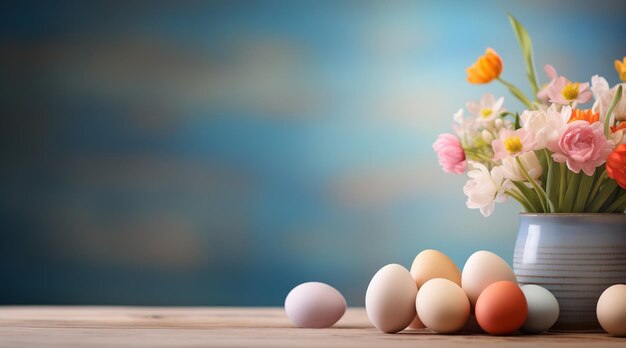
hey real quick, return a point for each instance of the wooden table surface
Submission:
(233, 327)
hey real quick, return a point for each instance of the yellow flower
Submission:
(621, 68)
(513, 144)
(486, 69)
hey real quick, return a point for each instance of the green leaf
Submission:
(563, 176)
(617, 205)
(609, 111)
(521, 200)
(586, 182)
(600, 176)
(531, 197)
(552, 180)
(612, 198)
(571, 193)
(603, 196)
(517, 123)
(527, 51)
(517, 93)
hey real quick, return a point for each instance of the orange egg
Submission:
(501, 308)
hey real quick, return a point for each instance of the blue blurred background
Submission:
(220, 153)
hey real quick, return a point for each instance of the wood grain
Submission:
(233, 327)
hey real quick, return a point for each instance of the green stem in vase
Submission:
(603, 196)
(551, 179)
(562, 181)
(546, 204)
(570, 195)
(617, 205)
(596, 187)
(520, 199)
(530, 195)
(584, 188)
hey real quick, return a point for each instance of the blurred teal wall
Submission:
(220, 153)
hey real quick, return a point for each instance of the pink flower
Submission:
(512, 143)
(450, 153)
(583, 146)
(542, 95)
(564, 91)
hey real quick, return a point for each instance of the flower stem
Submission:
(546, 203)
(520, 198)
(596, 187)
(517, 93)
(617, 204)
(551, 177)
(609, 111)
(478, 155)
(562, 181)
(583, 192)
(603, 196)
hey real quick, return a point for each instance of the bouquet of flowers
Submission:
(553, 157)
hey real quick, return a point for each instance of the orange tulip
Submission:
(616, 165)
(621, 68)
(486, 69)
(584, 115)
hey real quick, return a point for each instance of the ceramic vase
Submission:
(576, 257)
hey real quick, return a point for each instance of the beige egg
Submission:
(482, 269)
(442, 306)
(416, 323)
(611, 310)
(390, 299)
(430, 264)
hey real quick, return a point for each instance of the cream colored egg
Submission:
(482, 269)
(442, 306)
(611, 310)
(416, 323)
(430, 264)
(390, 299)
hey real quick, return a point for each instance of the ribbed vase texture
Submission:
(576, 257)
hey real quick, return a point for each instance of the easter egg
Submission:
(442, 305)
(501, 308)
(482, 269)
(543, 309)
(611, 310)
(416, 323)
(390, 299)
(314, 305)
(430, 264)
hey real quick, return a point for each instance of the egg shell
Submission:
(472, 327)
(543, 309)
(314, 305)
(501, 308)
(442, 305)
(430, 264)
(482, 269)
(611, 310)
(416, 323)
(390, 299)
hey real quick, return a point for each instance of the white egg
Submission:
(543, 309)
(390, 299)
(442, 305)
(314, 305)
(611, 310)
(416, 323)
(482, 269)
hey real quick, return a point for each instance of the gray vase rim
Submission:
(572, 214)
